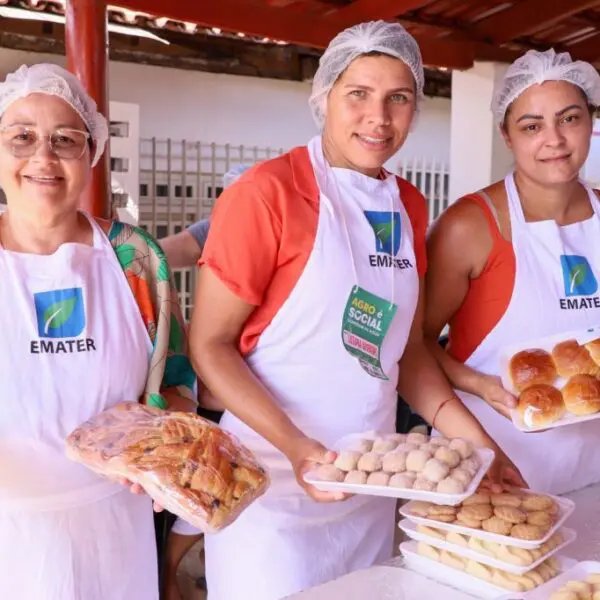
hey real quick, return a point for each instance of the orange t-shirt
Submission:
(263, 230)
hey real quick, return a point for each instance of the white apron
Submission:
(73, 344)
(286, 542)
(544, 302)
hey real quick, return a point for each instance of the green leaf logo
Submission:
(58, 313)
(383, 232)
(577, 276)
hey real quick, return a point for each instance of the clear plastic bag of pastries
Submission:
(185, 463)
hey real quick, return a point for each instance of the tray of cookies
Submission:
(556, 379)
(478, 579)
(411, 466)
(518, 518)
(187, 464)
(580, 581)
(508, 558)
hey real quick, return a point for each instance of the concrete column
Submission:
(478, 155)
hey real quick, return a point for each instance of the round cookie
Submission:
(420, 508)
(462, 476)
(450, 486)
(463, 447)
(356, 477)
(497, 525)
(435, 470)
(466, 522)
(378, 478)
(347, 460)
(369, 462)
(431, 532)
(394, 462)
(401, 480)
(383, 446)
(329, 473)
(449, 456)
(424, 485)
(416, 460)
(477, 498)
(439, 441)
(527, 532)
(510, 514)
(478, 546)
(477, 512)
(537, 502)
(540, 518)
(441, 509)
(417, 438)
(510, 500)
(471, 464)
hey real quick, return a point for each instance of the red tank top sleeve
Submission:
(418, 213)
(488, 295)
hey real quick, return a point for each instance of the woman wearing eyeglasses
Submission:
(89, 319)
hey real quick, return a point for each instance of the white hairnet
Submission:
(234, 174)
(536, 67)
(376, 36)
(54, 80)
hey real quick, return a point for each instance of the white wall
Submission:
(232, 109)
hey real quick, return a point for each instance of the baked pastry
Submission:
(540, 405)
(329, 473)
(477, 498)
(394, 462)
(463, 447)
(431, 532)
(369, 462)
(435, 470)
(356, 477)
(581, 395)
(572, 359)
(451, 486)
(527, 532)
(477, 512)
(462, 476)
(506, 499)
(536, 502)
(378, 478)
(402, 480)
(532, 367)
(510, 514)
(416, 460)
(186, 463)
(594, 349)
(424, 485)
(384, 445)
(499, 526)
(347, 460)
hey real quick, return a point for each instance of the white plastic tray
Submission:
(565, 506)
(486, 458)
(583, 336)
(469, 584)
(576, 572)
(569, 536)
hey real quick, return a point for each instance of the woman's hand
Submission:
(138, 490)
(503, 474)
(306, 454)
(491, 390)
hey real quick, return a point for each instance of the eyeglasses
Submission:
(23, 142)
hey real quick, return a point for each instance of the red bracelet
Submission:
(439, 408)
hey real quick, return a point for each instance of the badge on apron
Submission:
(366, 320)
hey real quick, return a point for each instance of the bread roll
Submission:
(532, 367)
(594, 349)
(572, 359)
(540, 405)
(582, 395)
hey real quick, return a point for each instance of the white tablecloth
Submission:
(394, 582)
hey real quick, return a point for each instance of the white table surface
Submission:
(394, 582)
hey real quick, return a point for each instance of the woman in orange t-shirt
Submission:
(307, 321)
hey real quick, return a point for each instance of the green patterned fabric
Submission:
(151, 282)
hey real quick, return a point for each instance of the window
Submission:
(144, 189)
(161, 231)
(162, 190)
(189, 191)
(119, 129)
(119, 165)
(209, 191)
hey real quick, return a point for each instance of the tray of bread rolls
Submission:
(411, 466)
(508, 558)
(556, 379)
(519, 518)
(472, 577)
